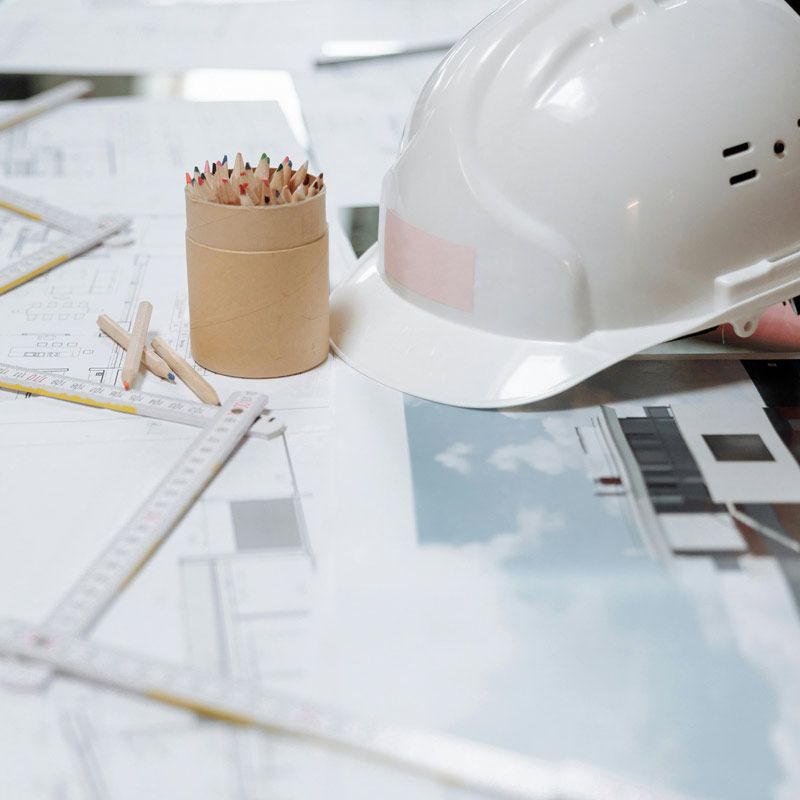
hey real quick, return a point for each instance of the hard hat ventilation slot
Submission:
(736, 149)
(744, 177)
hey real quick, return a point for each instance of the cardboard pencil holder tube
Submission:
(258, 286)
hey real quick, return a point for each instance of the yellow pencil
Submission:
(184, 370)
(117, 334)
(133, 357)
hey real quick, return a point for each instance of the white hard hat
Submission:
(581, 180)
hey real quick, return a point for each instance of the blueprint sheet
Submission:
(355, 114)
(571, 580)
(133, 37)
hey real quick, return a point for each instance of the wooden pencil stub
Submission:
(120, 336)
(185, 371)
(136, 344)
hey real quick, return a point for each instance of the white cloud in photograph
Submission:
(532, 525)
(456, 458)
(552, 454)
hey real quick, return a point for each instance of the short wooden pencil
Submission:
(133, 357)
(118, 334)
(184, 370)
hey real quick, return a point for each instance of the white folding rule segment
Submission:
(143, 404)
(456, 762)
(80, 235)
(43, 102)
(151, 524)
(136, 542)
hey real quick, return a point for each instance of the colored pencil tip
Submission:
(126, 385)
(171, 376)
(263, 156)
(225, 159)
(280, 167)
(247, 165)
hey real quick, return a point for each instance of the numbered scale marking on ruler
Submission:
(143, 404)
(458, 762)
(45, 101)
(80, 235)
(150, 525)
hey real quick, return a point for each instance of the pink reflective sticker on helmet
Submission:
(432, 267)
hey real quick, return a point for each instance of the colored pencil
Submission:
(299, 176)
(244, 185)
(133, 356)
(120, 336)
(184, 370)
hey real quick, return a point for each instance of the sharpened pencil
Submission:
(120, 336)
(262, 168)
(299, 176)
(184, 370)
(133, 356)
(245, 185)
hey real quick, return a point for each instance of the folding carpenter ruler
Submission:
(80, 235)
(143, 404)
(150, 525)
(45, 101)
(458, 762)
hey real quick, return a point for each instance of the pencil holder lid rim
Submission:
(256, 253)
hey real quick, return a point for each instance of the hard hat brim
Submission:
(407, 348)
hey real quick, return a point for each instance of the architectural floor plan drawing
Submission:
(121, 37)
(114, 137)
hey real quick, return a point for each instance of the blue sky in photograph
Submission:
(476, 472)
(615, 662)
